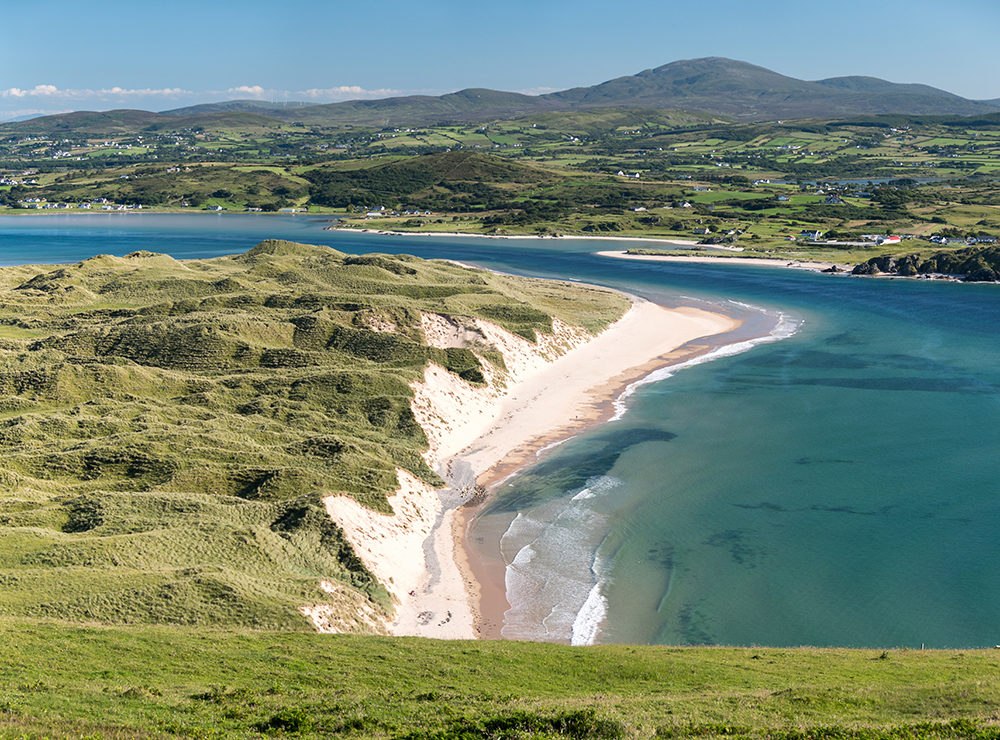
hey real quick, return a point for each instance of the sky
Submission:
(58, 56)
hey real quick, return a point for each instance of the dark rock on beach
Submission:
(865, 268)
(985, 275)
(977, 264)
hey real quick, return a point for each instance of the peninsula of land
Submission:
(246, 420)
(555, 387)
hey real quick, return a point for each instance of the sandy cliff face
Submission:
(412, 552)
(391, 547)
(347, 612)
(453, 412)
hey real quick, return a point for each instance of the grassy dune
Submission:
(170, 428)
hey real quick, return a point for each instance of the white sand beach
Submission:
(552, 389)
(729, 260)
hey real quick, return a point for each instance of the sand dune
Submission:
(550, 391)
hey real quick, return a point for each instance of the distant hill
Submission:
(226, 119)
(448, 167)
(108, 122)
(746, 91)
(19, 119)
(132, 121)
(466, 176)
(984, 120)
(464, 105)
(713, 86)
(236, 106)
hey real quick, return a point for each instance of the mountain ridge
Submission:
(749, 92)
(714, 85)
(718, 86)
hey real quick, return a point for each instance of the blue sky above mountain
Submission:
(66, 56)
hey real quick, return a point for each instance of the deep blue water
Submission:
(839, 487)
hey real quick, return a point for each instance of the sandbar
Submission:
(726, 259)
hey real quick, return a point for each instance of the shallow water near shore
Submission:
(837, 487)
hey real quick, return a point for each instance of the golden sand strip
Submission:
(552, 390)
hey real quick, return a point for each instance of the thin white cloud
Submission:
(343, 91)
(37, 91)
(327, 94)
(539, 90)
(170, 92)
(51, 91)
(255, 91)
(52, 100)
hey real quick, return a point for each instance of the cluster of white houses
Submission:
(102, 204)
(4, 180)
(383, 212)
(882, 240)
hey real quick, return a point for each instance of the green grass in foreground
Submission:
(169, 428)
(64, 681)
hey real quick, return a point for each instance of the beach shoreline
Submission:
(391, 232)
(729, 260)
(487, 574)
(478, 438)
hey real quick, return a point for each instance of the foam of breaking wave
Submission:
(550, 575)
(552, 445)
(593, 613)
(596, 486)
(588, 620)
(556, 578)
(785, 327)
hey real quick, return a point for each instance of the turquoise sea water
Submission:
(838, 487)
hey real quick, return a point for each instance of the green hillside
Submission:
(169, 428)
(65, 681)
(87, 122)
(222, 120)
(602, 122)
(439, 180)
(117, 122)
